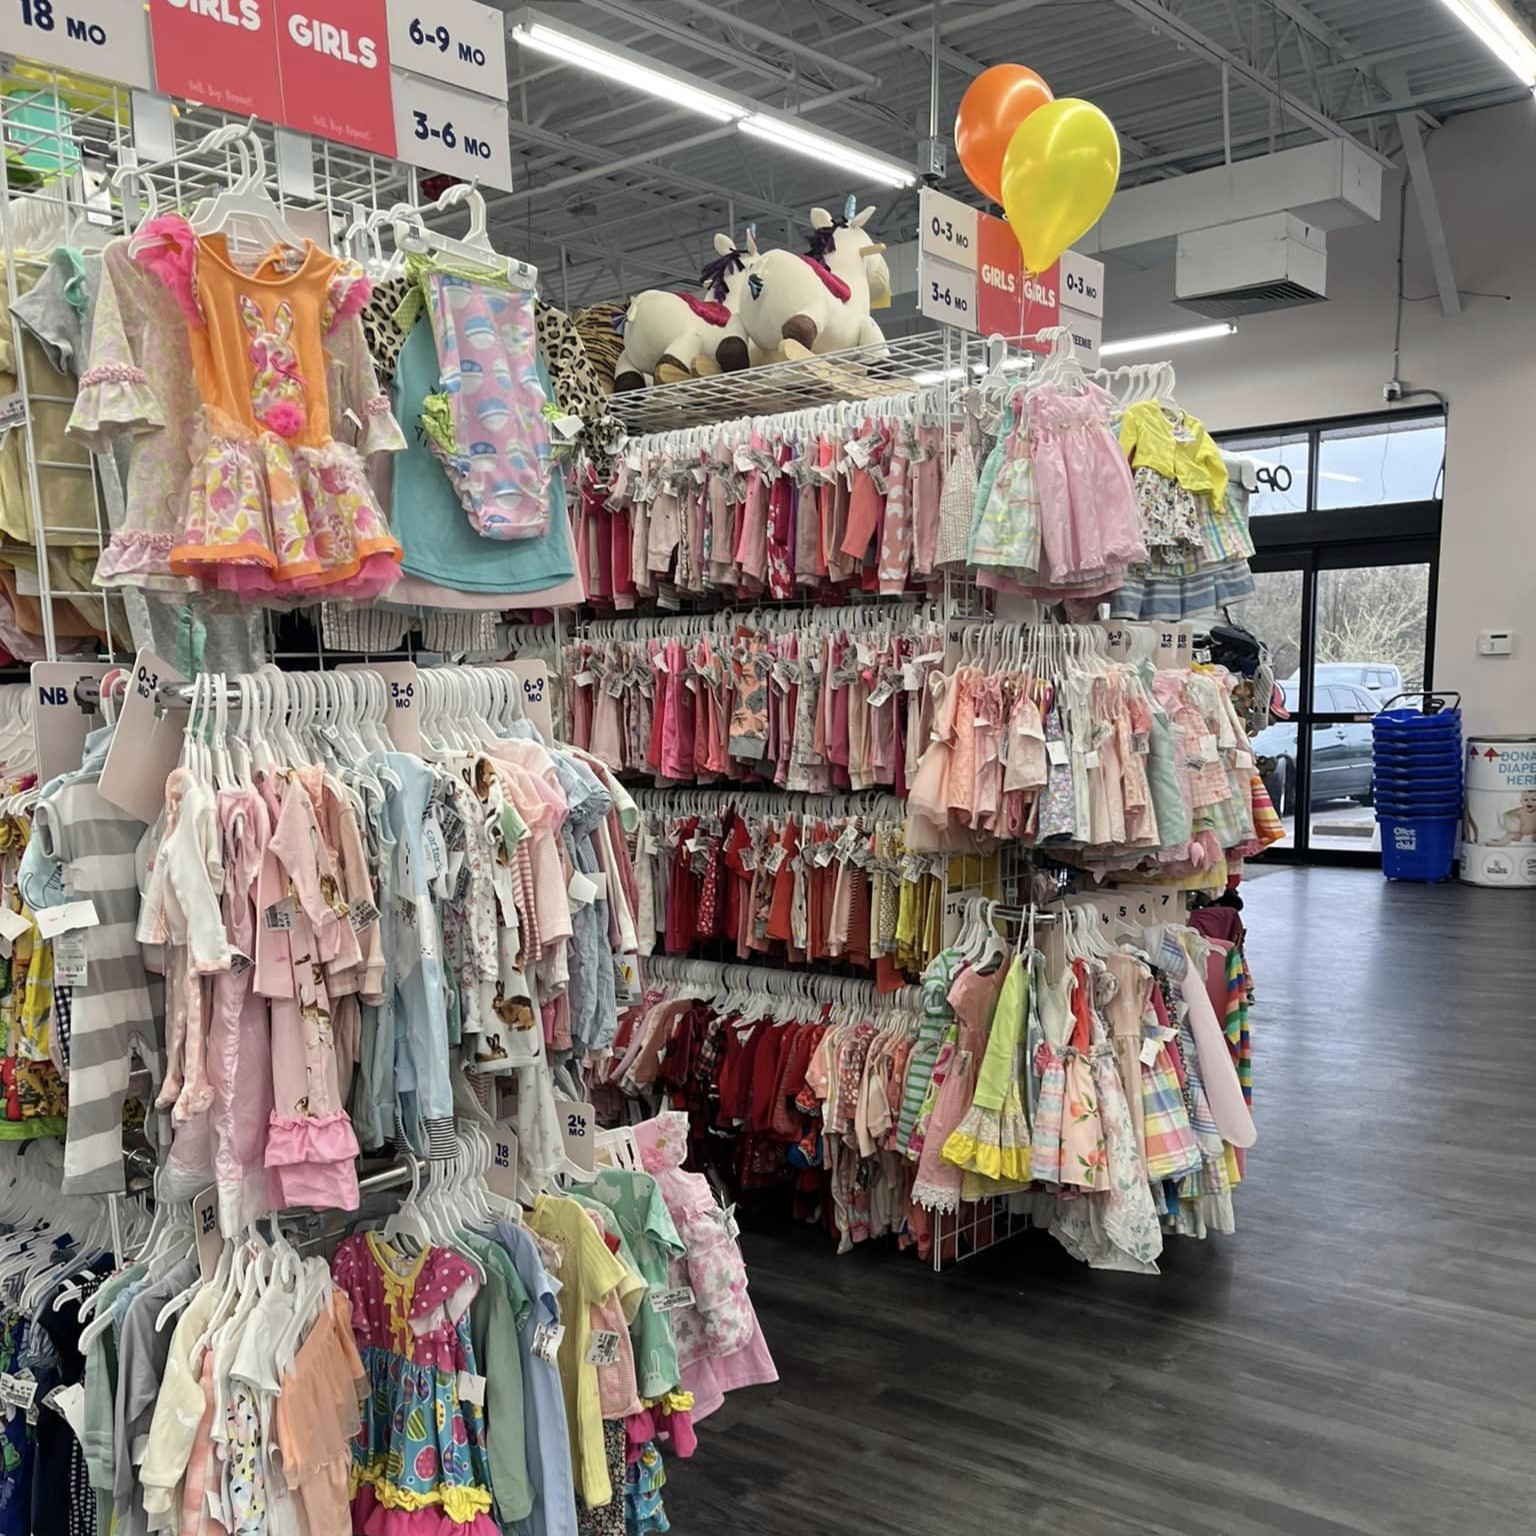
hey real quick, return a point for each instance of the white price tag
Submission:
(581, 889)
(1209, 749)
(239, 963)
(442, 129)
(1056, 751)
(52, 921)
(670, 1301)
(105, 38)
(603, 1349)
(69, 963)
(13, 407)
(455, 41)
(546, 1341)
(361, 913)
(1149, 1050)
(278, 918)
(12, 925)
(948, 294)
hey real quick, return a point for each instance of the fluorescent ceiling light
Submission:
(937, 376)
(1163, 339)
(624, 69)
(827, 148)
(1501, 32)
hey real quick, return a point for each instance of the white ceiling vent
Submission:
(1251, 267)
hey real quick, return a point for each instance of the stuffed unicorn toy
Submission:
(670, 335)
(818, 302)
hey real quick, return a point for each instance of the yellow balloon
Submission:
(1059, 173)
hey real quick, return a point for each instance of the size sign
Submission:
(334, 58)
(1082, 284)
(106, 38)
(59, 723)
(444, 129)
(947, 293)
(534, 676)
(578, 1129)
(1087, 334)
(222, 53)
(455, 41)
(949, 229)
(501, 1176)
(205, 1229)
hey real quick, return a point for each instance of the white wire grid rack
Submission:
(896, 367)
(61, 139)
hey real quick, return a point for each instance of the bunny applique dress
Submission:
(277, 503)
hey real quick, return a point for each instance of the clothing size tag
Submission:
(546, 1341)
(361, 913)
(239, 962)
(603, 1348)
(279, 917)
(52, 921)
(205, 1230)
(670, 1301)
(69, 963)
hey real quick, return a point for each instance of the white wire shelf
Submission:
(902, 364)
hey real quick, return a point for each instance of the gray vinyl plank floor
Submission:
(1358, 1360)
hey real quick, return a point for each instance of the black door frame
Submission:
(1313, 542)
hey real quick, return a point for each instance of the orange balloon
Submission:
(994, 105)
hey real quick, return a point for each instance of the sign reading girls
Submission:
(222, 53)
(335, 71)
(320, 66)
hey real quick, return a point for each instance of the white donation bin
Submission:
(1498, 844)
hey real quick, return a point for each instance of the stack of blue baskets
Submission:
(1418, 765)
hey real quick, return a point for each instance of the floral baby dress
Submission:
(419, 1454)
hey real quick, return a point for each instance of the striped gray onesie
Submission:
(120, 1009)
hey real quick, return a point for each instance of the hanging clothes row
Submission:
(332, 927)
(1086, 496)
(460, 1366)
(810, 699)
(1041, 737)
(844, 495)
(879, 1114)
(802, 881)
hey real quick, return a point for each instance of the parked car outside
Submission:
(1342, 768)
(1383, 678)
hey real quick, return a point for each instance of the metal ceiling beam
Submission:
(1338, 45)
(678, 32)
(1178, 30)
(1425, 200)
(818, 56)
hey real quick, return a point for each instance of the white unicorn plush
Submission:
(795, 305)
(669, 335)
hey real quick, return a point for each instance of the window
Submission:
(1283, 460)
(1378, 463)
(1368, 461)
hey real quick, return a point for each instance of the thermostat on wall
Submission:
(1495, 642)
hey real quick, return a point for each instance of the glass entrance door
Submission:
(1348, 629)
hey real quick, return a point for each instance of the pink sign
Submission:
(222, 53)
(334, 56)
(1042, 304)
(999, 278)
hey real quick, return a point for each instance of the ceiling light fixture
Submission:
(1161, 339)
(625, 69)
(827, 148)
(1501, 32)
